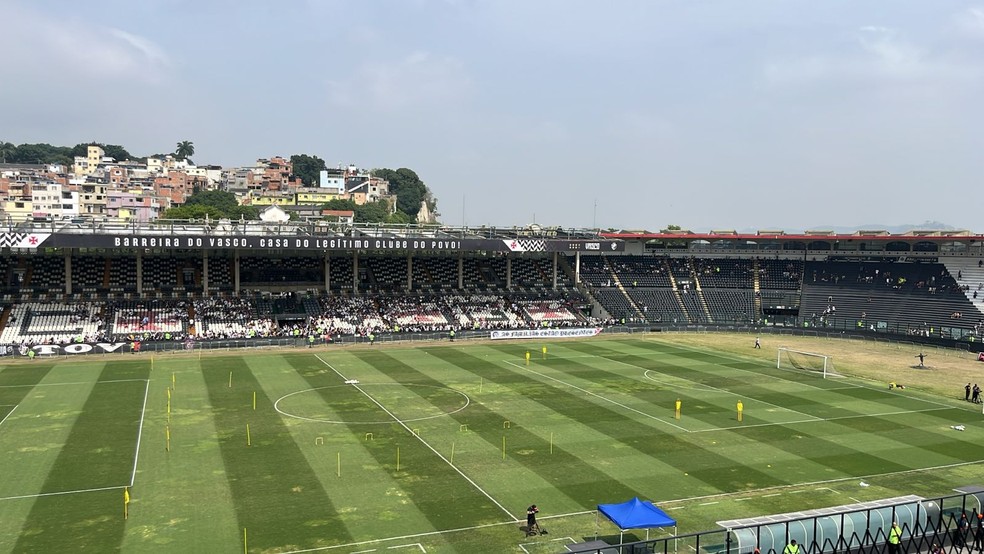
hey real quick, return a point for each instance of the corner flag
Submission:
(126, 502)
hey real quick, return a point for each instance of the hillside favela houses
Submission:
(99, 187)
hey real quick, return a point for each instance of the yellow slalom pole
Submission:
(338, 458)
(398, 458)
(452, 453)
(254, 400)
(551, 442)
(245, 548)
(481, 384)
(230, 379)
(167, 438)
(248, 441)
(169, 410)
(503, 447)
(172, 379)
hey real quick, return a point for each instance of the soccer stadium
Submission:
(194, 386)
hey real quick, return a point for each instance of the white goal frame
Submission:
(828, 365)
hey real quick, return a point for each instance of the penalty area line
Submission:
(136, 450)
(8, 413)
(61, 493)
(619, 404)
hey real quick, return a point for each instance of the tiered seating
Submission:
(123, 275)
(341, 272)
(89, 274)
(616, 303)
(528, 273)
(148, 317)
(691, 302)
(920, 298)
(220, 277)
(435, 274)
(642, 271)
(780, 274)
(485, 311)
(594, 271)
(730, 305)
(45, 274)
(388, 274)
(230, 318)
(292, 270)
(555, 312)
(724, 273)
(51, 323)
(659, 305)
(159, 274)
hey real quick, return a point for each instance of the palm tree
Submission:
(185, 150)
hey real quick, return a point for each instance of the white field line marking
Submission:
(585, 391)
(852, 387)
(733, 393)
(8, 414)
(364, 551)
(709, 503)
(419, 438)
(417, 544)
(695, 385)
(821, 419)
(797, 492)
(60, 493)
(432, 533)
(136, 452)
(72, 383)
(770, 495)
(710, 387)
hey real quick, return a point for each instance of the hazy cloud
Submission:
(417, 80)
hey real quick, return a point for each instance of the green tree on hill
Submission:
(184, 150)
(308, 168)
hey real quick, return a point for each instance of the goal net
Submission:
(805, 361)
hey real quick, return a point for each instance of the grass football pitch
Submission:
(440, 447)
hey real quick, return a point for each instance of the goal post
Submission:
(787, 358)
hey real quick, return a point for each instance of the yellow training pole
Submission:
(248, 442)
(481, 384)
(172, 380)
(678, 405)
(503, 447)
(338, 458)
(254, 400)
(245, 548)
(230, 379)
(167, 438)
(551, 442)
(452, 453)
(169, 410)
(398, 458)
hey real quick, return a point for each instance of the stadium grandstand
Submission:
(172, 283)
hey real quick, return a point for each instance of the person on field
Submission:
(532, 527)
(791, 548)
(967, 392)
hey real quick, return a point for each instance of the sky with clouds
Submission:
(635, 114)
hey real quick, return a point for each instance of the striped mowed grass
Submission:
(440, 448)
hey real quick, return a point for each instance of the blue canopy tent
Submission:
(636, 514)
